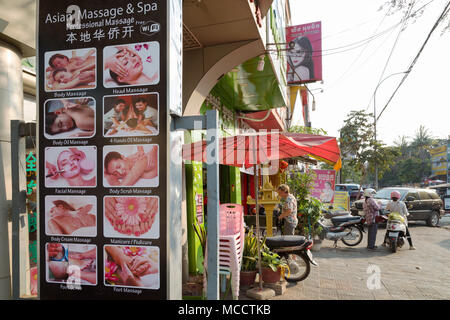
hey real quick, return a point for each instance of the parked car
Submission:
(354, 190)
(422, 204)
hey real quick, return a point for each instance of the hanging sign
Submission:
(103, 112)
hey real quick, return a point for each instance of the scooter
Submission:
(295, 250)
(395, 231)
(345, 227)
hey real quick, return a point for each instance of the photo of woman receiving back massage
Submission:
(71, 215)
(131, 65)
(131, 115)
(70, 167)
(69, 118)
(130, 166)
(70, 69)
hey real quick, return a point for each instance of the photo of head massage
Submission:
(131, 217)
(70, 166)
(131, 166)
(127, 266)
(131, 65)
(71, 215)
(70, 69)
(74, 264)
(69, 118)
(131, 115)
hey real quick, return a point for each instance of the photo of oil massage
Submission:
(74, 264)
(70, 69)
(131, 115)
(131, 166)
(69, 118)
(131, 217)
(131, 65)
(71, 215)
(127, 266)
(70, 166)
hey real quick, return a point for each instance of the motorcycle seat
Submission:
(338, 220)
(284, 241)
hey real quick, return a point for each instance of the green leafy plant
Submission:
(301, 185)
(250, 253)
(273, 261)
(309, 214)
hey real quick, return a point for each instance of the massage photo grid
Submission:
(76, 166)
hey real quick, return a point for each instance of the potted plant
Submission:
(272, 266)
(309, 214)
(249, 259)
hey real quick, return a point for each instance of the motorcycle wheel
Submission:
(299, 267)
(354, 237)
(393, 246)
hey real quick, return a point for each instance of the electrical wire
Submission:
(441, 17)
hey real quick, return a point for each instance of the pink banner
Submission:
(304, 57)
(324, 185)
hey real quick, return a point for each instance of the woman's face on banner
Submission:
(62, 123)
(69, 163)
(132, 63)
(297, 54)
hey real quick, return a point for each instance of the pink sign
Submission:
(324, 185)
(304, 57)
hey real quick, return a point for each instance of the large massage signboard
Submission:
(102, 149)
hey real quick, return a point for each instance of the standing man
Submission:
(371, 211)
(289, 210)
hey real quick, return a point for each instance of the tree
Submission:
(360, 151)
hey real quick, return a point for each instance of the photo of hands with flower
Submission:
(127, 266)
(131, 217)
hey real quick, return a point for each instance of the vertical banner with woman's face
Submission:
(103, 116)
(323, 188)
(304, 55)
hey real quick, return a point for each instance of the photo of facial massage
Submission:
(70, 166)
(131, 166)
(71, 215)
(74, 264)
(70, 69)
(69, 118)
(131, 65)
(131, 217)
(131, 115)
(127, 266)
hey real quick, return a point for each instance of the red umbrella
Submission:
(247, 149)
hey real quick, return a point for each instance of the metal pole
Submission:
(258, 244)
(212, 173)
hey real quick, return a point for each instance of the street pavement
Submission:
(355, 273)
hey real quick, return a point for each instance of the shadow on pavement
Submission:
(348, 252)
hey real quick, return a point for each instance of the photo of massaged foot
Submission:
(127, 266)
(71, 215)
(69, 118)
(70, 166)
(74, 264)
(133, 64)
(70, 69)
(131, 166)
(131, 115)
(131, 217)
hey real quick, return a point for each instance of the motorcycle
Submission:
(345, 227)
(395, 231)
(294, 249)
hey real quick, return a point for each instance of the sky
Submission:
(352, 73)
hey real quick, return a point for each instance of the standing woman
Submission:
(371, 211)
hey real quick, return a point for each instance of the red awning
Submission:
(250, 149)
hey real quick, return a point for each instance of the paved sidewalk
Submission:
(347, 273)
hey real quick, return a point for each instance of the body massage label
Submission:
(102, 149)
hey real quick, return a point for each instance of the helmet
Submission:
(395, 194)
(369, 192)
